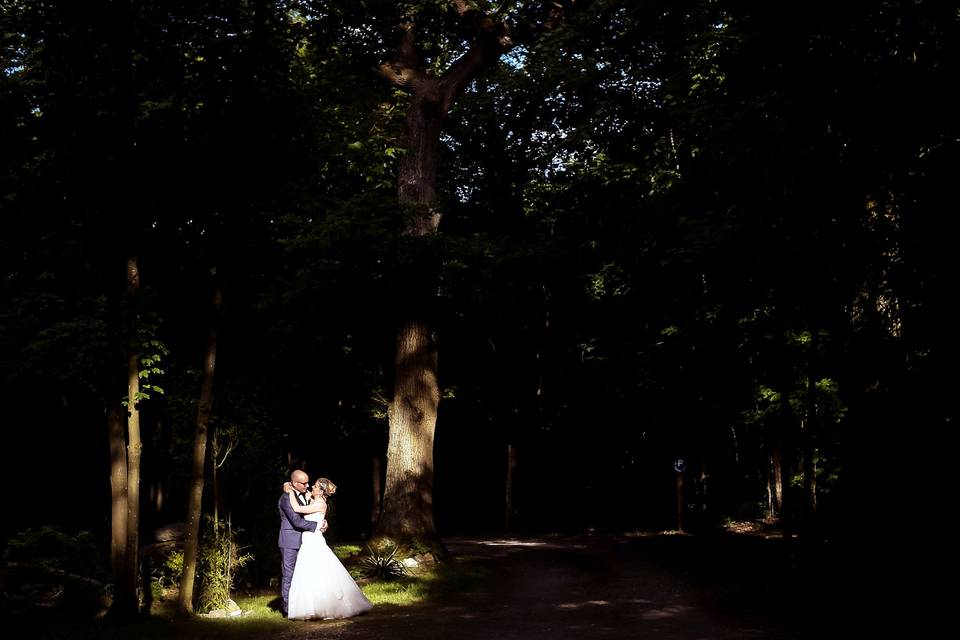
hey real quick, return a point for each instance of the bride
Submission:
(321, 586)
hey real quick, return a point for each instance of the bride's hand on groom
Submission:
(287, 487)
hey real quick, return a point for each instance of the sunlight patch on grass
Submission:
(257, 606)
(742, 526)
(396, 592)
(344, 551)
(427, 582)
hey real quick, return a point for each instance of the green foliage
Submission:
(152, 352)
(346, 551)
(382, 565)
(429, 583)
(405, 547)
(53, 549)
(167, 575)
(218, 559)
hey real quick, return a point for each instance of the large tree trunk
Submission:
(134, 443)
(408, 498)
(204, 409)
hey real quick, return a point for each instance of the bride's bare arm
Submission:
(314, 507)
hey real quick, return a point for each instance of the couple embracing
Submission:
(314, 584)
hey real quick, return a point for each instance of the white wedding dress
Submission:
(321, 586)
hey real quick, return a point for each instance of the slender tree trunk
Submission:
(204, 409)
(808, 501)
(771, 510)
(809, 440)
(216, 499)
(776, 468)
(783, 448)
(702, 488)
(160, 485)
(508, 499)
(679, 475)
(134, 443)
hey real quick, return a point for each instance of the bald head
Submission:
(299, 476)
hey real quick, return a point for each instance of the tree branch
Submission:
(491, 37)
(544, 16)
(403, 70)
(482, 53)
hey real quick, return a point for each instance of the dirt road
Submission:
(559, 588)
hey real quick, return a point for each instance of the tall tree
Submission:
(128, 601)
(408, 496)
(204, 410)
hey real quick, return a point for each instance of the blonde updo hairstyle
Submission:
(327, 488)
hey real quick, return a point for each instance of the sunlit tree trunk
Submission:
(134, 442)
(204, 409)
(408, 500)
(776, 468)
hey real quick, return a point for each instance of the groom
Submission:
(292, 526)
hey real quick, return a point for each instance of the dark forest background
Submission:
(708, 230)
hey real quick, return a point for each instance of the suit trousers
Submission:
(288, 559)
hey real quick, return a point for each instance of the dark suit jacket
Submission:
(292, 524)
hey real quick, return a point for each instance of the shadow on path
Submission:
(603, 587)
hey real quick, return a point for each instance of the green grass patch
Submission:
(429, 582)
(346, 551)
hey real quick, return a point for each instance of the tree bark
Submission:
(408, 497)
(809, 440)
(124, 599)
(776, 469)
(784, 447)
(204, 409)
(134, 443)
(508, 498)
